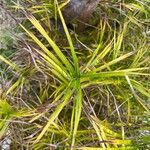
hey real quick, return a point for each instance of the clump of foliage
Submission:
(79, 90)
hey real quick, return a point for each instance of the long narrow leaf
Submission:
(55, 113)
(51, 58)
(10, 63)
(114, 61)
(77, 110)
(38, 26)
(75, 59)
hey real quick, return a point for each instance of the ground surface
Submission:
(7, 23)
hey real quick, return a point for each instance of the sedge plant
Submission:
(85, 99)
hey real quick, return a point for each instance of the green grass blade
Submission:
(96, 57)
(98, 132)
(14, 86)
(136, 96)
(62, 57)
(49, 57)
(55, 113)
(75, 59)
(118, 41)
(119, 73)
(77, 110)
(114, 61)
(10, 63)
(138, 86)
